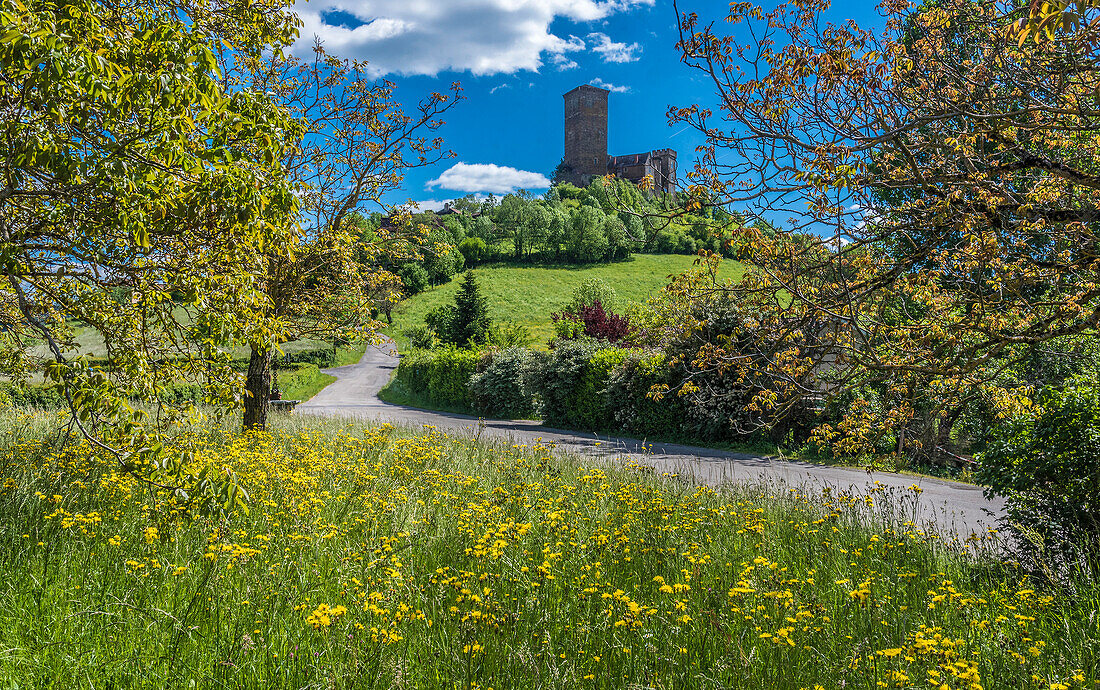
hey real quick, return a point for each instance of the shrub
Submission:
(570, 385)
(439, 376)
(557, 379)
(507, 334)
(474, 249)
(567, 327)
(597, 324)
(414, 277)
(1047, 466)
(23, 395)
(439, 321)
(502, 388)
(421, 337)
(603, 325)
(629, 402)
(589, 292)
(590, 408)
(322, 357)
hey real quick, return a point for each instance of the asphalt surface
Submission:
(944, 506)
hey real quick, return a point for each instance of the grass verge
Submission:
(373, 557)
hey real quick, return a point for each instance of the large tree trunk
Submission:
(257, 389)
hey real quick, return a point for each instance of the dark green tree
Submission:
(470, 320)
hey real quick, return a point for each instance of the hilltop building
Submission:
(586, 146)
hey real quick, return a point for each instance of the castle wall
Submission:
(586, 146)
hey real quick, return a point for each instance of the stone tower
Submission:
(585, 133)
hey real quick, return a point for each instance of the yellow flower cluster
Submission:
(365, 549)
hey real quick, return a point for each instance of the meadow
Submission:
(379, 557)
(528, 295)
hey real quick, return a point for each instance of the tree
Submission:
(473, 248)
(513, 216)
(590, 291)
(1047, 466)
(951, 170)
(384, 294)
(470, 320)
(138, 195)
(358, 144)
(585, 238)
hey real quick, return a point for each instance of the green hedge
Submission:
(590, 408)
(19, 395)
(629, 402)
(322, 357)
(502, 386)
(570, 385)
(579, 385)
(46, 397)
(439, 376)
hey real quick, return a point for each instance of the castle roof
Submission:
(586, 87)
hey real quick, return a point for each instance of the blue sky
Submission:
(515, 59)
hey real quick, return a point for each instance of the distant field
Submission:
(528, 295)
(88, 341)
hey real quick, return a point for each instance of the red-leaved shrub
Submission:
(598, 323)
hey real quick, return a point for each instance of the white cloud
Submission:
(487, 177)
(427, 205)
(429, 36)
(563, 63)
(614, 88)
(498, 87)
(611, 51)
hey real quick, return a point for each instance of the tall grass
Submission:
(374, 557)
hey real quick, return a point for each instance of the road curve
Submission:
(946, 506)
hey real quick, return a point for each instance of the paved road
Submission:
(946, 506)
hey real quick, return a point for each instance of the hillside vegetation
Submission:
(529, 295)
(374, 558)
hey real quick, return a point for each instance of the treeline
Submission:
(568, 225)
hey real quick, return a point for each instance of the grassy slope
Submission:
(530, 295)
(374, 559)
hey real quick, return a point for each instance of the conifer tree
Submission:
(470, 320)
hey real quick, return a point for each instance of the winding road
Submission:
(945, 506)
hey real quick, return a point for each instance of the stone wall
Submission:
(586, 133)
(586, 146)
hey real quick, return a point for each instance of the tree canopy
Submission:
(939, 181)
(138, 195)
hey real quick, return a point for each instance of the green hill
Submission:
(529, 295)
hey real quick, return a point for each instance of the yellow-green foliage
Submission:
(370, 558)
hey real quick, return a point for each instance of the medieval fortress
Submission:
(586, 146)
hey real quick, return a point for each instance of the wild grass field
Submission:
(375, 557)
(529, 295)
